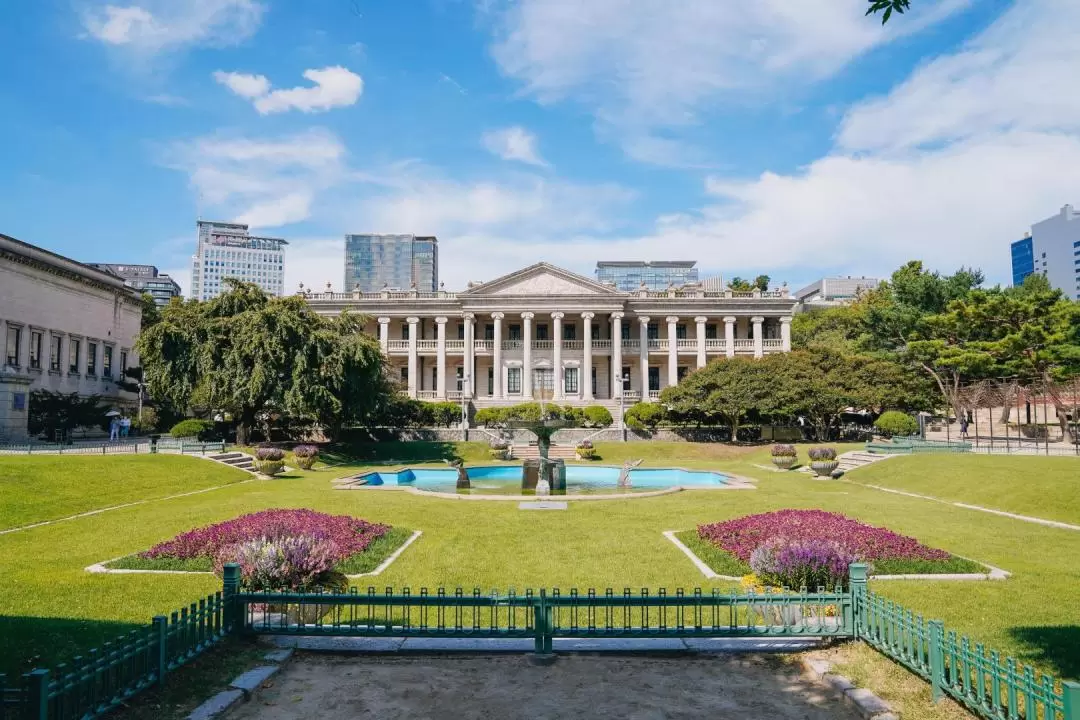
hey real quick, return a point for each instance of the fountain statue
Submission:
(541, 474)
(462, 476)
(624, 474)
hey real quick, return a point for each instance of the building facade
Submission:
(67, 327)
(834, 290)
(1053, 249)
(632, 275)
(398, 262)
(546, 332)
(145, 279)
(228, 250)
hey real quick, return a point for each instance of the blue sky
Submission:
(791, 138)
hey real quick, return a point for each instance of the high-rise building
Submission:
(1053, 249)
(659, 275)
(228, 250)
(835, 290)
(373, 262)
(144, 278)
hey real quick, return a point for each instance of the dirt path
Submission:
(576, 686)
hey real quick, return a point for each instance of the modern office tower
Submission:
(228, 250)
(835, 290)
(658, 275)
(1053, 249)
(373, 262)
(144, 278)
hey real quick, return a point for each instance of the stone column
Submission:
(672, 351)
(586, 330)
(556, 353)
(496, 354)
(643, 354)
(384, 334)
(785, 334)
(470, 355)
(413, 379)
(729, 335)
(440, 358)
(616, 355)
(526, 356)
(701, 358)
(759, 348)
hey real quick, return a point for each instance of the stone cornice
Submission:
(26, 255)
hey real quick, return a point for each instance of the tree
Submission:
(724, 389)
(761, 282)
(737, 284)
(55, 413)
(254, 357)
(889, 7)
(151, 313)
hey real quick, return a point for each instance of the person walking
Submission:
(964, 427)
(114, 429)
(125, 426)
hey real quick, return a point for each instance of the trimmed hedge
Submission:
(593, 416)
(644, 416)
(894, 423)
(192, 427)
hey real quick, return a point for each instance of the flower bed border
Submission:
(101, 567)
(993, 573)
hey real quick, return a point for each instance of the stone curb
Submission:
(243, 687)
(866, 703)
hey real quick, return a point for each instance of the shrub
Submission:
(585, 450)
(894, 423)
(811, 563)
(822, 454)
(348, 535)
(644, 416)
(489, 417)
(743, 535)
(783, 450)
(305, 455)
(598, 416)
(269, 453)
(192, 427)
(147, 424)
(443, 414)
(302, 563)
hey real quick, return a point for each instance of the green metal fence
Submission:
(115, 447)
(982, 680)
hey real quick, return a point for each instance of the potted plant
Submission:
(585, 450)
(823, 461)
(499, 450)
(784, 456)
(269, 461)
(305, 455)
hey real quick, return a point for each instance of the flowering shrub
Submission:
(585, 444)
(585, 450)
(305, 455)
(783, 450)
(345, 535)
(302, 562)
(269, 453)
(808, 563)
(822, 454)
(864, 543)
(499, 445)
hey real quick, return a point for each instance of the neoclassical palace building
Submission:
(545, 329)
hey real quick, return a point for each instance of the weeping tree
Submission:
(254, 357)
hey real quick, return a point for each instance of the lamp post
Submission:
(622, 404)
(464, 402)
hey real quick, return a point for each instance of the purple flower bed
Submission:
(808, 563)
(866, 543)
(344, 535)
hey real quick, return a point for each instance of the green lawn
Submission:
(52, 609)
(47, 487)
(1047, 487)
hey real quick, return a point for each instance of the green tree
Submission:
(887, 8)
(151, 313)
(253, 356)
(726, 390)
(761, 282)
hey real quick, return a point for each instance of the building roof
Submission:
(62, 264)
(647, 263)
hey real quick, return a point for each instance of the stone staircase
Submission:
(858, 458)
(555, 452)
(240, 460)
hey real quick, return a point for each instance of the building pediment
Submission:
(541, 279)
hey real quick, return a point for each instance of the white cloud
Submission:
(643, 63)
(159, 25)
(334, 87)
(262, 182)
(514, 143)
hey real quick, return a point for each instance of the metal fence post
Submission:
(857, 574)
(38, 694)
(161, 631)
(540, 620)
(234, 611)
(937, 659)
(1070, 700)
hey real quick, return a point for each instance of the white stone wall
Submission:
(36, 300)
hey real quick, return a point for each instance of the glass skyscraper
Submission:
(373, 262)
(1023, 260)
(629, 275)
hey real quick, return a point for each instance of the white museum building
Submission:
(546, 331)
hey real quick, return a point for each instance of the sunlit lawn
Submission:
(53, 609)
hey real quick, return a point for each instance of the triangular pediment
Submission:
(542, 279)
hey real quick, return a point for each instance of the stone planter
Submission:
(305, 463)
(824, 468)
(269, 468)
(497, 454)
(784, 462)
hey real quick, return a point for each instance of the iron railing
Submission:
(133, 446)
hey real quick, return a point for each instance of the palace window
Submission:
(91, 358)
(541, 331)
(74, 346)
(569, 332)
(106, 362)
(35, 349)
(14, 339)
(513, 380)
(570, 381)
(54, 353)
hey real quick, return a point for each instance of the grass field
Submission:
(52, 609)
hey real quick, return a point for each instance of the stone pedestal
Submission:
(530, 474)
(14, 405)
(557, 478)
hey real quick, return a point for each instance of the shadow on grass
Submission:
(390, 453)
(27, 643)
(1054, 647)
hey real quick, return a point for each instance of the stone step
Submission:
(227, 456)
